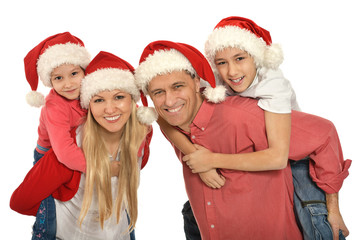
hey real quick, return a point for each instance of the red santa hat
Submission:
(62, 48)
(244, 34)
(108, 72)
(162, 57)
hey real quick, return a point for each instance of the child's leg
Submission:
(309, 204)
(45, 222)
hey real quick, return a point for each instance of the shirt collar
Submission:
(204, 115)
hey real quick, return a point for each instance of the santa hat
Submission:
(62, 48)
(244, 34)
(162, 57)
(108, 72)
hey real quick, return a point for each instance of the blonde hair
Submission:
(98, 175)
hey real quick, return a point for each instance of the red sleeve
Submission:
(48, 176)
(145, 146)
(58, 124)
(317, 138)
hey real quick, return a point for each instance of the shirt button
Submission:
(202, 128)
(208, 203)
(212, 226)
(193, 137)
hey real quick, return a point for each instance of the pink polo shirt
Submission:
(58, 117)
(253, 205)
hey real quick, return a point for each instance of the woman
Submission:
(101, 204)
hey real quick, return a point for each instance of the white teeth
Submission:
(175, 109)
(237, 80)
(112, 118)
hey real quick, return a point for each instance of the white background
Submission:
(321, 43)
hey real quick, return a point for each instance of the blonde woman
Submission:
(102, 203)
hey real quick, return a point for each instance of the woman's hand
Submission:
(200, 160)
(212, 178)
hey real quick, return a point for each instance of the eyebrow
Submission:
(235, 55)
(173, 84)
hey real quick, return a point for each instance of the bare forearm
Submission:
(255, 161)
(332, 202)
(177, 138)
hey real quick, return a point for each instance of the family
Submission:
(254, 165)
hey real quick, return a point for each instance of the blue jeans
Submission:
(190, 225)
(310, 204)
(132, 233)
(44, 227)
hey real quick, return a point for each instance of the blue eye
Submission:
(74, 73)
(240, 58)
(98, 100)
(220, 63)
(58, 78)
(119, 97)
(157, 93)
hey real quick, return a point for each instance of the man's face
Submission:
(176, 97)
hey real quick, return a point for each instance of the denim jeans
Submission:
(44, 227)
(310, 204)
(190, 225)
(132, 233)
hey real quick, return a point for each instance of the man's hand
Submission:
(212, 179)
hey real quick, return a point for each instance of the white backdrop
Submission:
(321, 43)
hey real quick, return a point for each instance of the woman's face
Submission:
(111, 109)
(236, 67)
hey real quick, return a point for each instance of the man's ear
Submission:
(197, 82)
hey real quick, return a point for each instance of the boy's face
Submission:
(176, 97)
(236, 67)
(66, 80)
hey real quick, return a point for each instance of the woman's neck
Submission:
(112, 141)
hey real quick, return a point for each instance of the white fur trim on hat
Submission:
(35, 99)
(58, 54)
(107, 79)
(232, 36)
(215, 95)
(159, 63)
(147, 115)
(273, 56)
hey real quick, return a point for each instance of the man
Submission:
(256, 205)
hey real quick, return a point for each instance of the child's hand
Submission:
(212, 178)
(200, 160)
(114, 168)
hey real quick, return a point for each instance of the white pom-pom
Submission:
(147, 115)
(273, 56)
(35, 99)
(215, 95)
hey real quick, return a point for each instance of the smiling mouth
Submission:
(173, 110)
(112, 118)
(237, 80)
(69, 91)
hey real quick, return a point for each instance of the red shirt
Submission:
(58, 117)
(252, 205)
